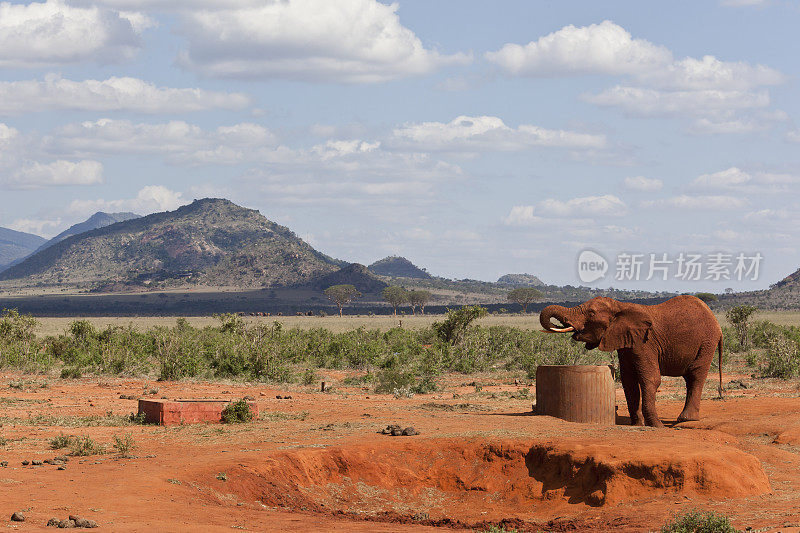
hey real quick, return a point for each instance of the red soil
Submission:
(478, 460)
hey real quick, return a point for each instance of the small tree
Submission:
(738, 317)
(457, 322)
(707, 297)
(524, 296)
(419, 299)
(395, 296)
(342, 295)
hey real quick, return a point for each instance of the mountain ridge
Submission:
(210, 241)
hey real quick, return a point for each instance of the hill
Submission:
(397, 267)
(98, 220)
(15, 245)
(353, 274)
(520, 280)
(210, 242)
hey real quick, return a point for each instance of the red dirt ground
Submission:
(318, 462)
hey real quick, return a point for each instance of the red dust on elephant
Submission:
(674, 338)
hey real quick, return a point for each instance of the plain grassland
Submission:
(336, 324)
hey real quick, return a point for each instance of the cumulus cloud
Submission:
(481, 133)
(149, 199)
(112, 94)
(350, 41)
(54, 33)
(761, 121)
(575, 208)
(35, 175)
(177, 141)
(657, 83)
(725, 178)
(699, 202)
(642, 184)
(640, 101)
(44, 227)
(604, 48)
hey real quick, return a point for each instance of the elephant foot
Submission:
(688, 417)
(655, 423)
(637, 420)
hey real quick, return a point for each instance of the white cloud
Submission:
(150, 199)
(350, 41)
(710, 73)
(177, 141)
(54, 33)
(640, 183)
(490, 133)
(37, 226)
(745, 3)
(605, 205)
(113, 94)
(172, 5)
(699, 202)
(35, 175)
(604, 48)
(793, 136)
(725, 178)
(650, 102)
(575, 208)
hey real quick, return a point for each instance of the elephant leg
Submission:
(649, 385)
(630, 384)
(695, 379)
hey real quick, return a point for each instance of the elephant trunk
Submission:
(558, 312)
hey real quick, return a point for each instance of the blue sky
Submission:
(474, 138)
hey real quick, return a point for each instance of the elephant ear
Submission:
(627, 329)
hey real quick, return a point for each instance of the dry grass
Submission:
(336, 324)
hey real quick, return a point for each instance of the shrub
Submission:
(782, 357)
(390, 380)
(61, 441)
(738, 316)
(84, 446)
(699, 522)
(237, 413)
(457, 322)
(124, 444)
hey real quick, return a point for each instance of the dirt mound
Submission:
(476, 479)
(790, 436)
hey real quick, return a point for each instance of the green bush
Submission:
(782, 359)
(391, 380)
(699, 522)
(237, 413)
(84, 446)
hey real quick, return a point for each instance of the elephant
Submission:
(675, 338)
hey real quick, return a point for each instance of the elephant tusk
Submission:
(562, 330)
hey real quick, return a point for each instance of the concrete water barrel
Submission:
(578, 393)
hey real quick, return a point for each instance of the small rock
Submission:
(53, 522)
(90, 524)
(61, 467)
(287, 397)
(249, 398)
(262, 393)
(390, 428)
(26, 463)
(66, 524)
(36, 462)
(62, 458)
(396, 432)
(73, 517)
(410, 431)
(4, 463)
(48, 461)
(17, 517)
(279, 397)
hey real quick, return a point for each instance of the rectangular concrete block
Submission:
(178, 412)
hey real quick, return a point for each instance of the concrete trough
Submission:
(179, 412)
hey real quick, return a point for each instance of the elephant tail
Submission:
(719, 348)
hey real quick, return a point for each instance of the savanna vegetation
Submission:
(393, 359)
(389, 359)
